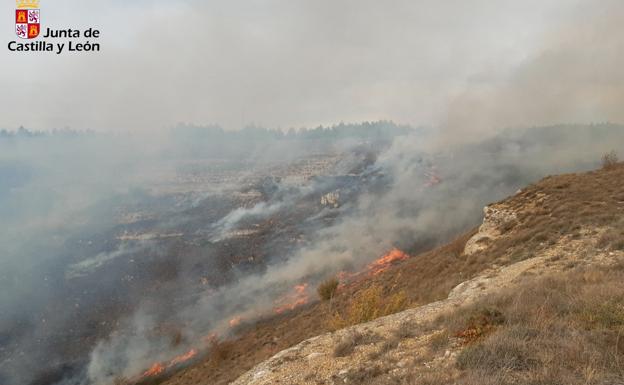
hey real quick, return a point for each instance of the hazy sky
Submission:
(283, 63)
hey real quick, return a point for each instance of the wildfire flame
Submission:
(235, 321)
(347, 278)
(344, 276)
(297, 297)
(291, 301)
(160, 367)
(382, 264)
(156, 369)
(182, 358)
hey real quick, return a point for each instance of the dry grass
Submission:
(364, 374)
(350, 341)
(612, 239)
(367, 305)
(560, 206)
(439, 341)
(407, 330)
(480, 322)
(219, 351)
(564, 329)
(346, 345)
(327, 289)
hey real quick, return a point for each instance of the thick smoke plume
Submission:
(283, 64)
(571, 75)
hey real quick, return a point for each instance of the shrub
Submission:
(327, 289)
(607, 314)
(609, 160)
(481, 322)
(494, 355)
(368, 305)
(612, 239)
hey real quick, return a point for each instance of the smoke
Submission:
(277, 63)
(144, 224)
(259, 211)
(91, 264)
(571, 75)
(417, 198)
(141, 250)
(99, 227)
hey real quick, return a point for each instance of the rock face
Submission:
(495, 220)
(331, 199)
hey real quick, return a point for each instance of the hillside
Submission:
(535, 295)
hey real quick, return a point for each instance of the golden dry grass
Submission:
(566, 328)
(367, 305)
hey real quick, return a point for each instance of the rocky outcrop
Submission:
(314, 361)
(496, 220)
(331, 199)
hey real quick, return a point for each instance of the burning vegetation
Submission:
(367, 305)
(384, 263)
(159, 368)
(298, 297)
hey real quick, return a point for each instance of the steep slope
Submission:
(561, 238)
(403, 337)
(563, 228)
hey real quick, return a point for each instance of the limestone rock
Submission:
(331, 199)
(495, 218)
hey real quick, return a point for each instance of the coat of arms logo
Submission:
(27, 19)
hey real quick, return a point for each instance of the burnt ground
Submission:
(168, 252)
